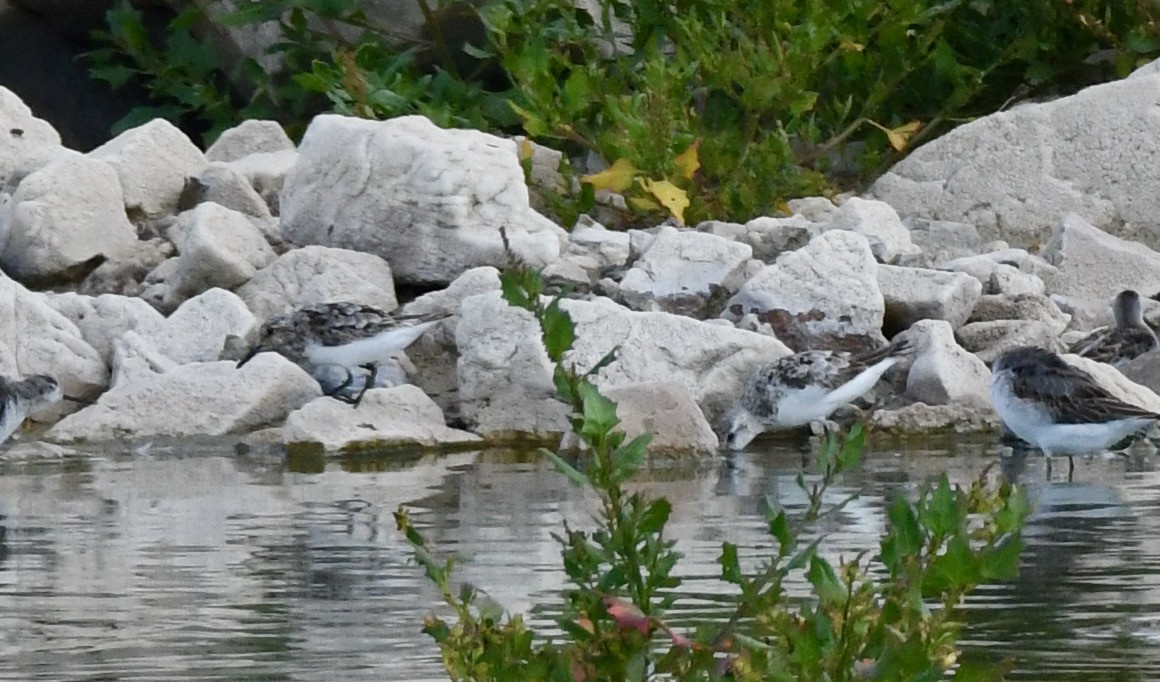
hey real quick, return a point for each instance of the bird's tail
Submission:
(901, 346)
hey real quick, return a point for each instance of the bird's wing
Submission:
(1071, 395)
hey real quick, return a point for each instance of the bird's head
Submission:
(739, 427)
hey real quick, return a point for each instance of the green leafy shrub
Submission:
(771, 100)
(622, 583)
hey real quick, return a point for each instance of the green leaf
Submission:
(852, 448)
(730, 565)
(829, 589)
(559, 331)
(655, 516)
(904, 527)
(953, 569)
(599, 413)
(779, 528)
(603, 362)
(941, 513)
(566, 468)
(514, 289)
(1002, 561)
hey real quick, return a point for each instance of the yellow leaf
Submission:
(900, 136)
(616, 178)
(643, 204)
(526, 149)
(669, 195)
(850, 45)
(689, 161)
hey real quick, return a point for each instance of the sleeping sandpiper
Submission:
(1129, 337)
(805, 387)
(1058, 408)
(18, 399)
(348, 336)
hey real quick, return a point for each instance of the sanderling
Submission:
(805, 387)
(1059, 408)
(18, 399)
(349, 336)
(1129, 337)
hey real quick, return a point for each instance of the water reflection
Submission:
(195, 562)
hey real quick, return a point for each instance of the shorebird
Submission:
(322, 337)
(805, 387)
(1058, 408)
(18, 399)
(1129, 337)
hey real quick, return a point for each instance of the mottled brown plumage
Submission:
(1128, 338)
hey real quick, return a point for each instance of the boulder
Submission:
(1030, 307)
(200, 399)
(430, 201)
(879, 224)
(218, 247)
(103, 319)
(940, 241)
(685, 272)
(152, 162)
(319, 274)
(266, 173)
(988, 339)
(135, 357)
(224, 185)
(1008, 271)
(36, 339)
(502, 361)
(922, 419)
(1114, 382)
(942, 372)
(1095, 264)
(595, 249)
(768, 237)
(447, 301)
(252, 136)
(822, 296)
(1144, 370)
(667, 410)
(197, 330)
(386, 417)
(814, 209)
(913, 294)
(1013, 173)
(63, 220)
(26, 142)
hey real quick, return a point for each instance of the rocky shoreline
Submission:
(135, 272)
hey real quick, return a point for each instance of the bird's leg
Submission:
(1070, 468)
(336, 393)
(1048, 454)
(373, 369)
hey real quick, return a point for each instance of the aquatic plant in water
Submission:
(898, 621)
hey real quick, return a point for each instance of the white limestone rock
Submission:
(1095, 264)
(102, 319)
(502, 361)
(913, 294)
(26, 143)
(597, 248)
(1013, 173)
(814, 209)
(682, 271)
(768, 237)
(197, 330)
(921, 419)
(319, 274)
(1032, 307)
(224, 185)
(879, 224)
(1005, 272)
(135, 357)
(944, 373)
(200, 399)
(266, 173)
(152, 162)
(447, 301)
(218, 247)
(988, 339)
(36, 339)
(940, 241)
(429, 201)
(386, 417)
(62, 218)
(1144, 370)
(822, 296)
(667, 410)
(252, 136)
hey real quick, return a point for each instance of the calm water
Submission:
(194, 562)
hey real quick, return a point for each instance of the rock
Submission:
(668, 410)
(429, 201)
(201, 399)
(598, 249)
(222, 184)
(989, 339)
(152, 162)
(940, 241)
(319, 274)
(879, 224)
(63, 220)
(1013, 173)
(126, 275)
(448, 301)
(814, 209)
(921, 419)
(198, 329)
(913, 294)
(768, 237)
(942, 372)
(103, 319)
(685, 273)
(36, 339)
(252, 136)
(386, 417)
(1114, 382)
(1094, 264)
(218, 248)
(1032, 307)
(822, 296)
(1144, 370)
(135, 358)
(267, 173)
(26, 143)
(502, 361)
(1000, 273)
